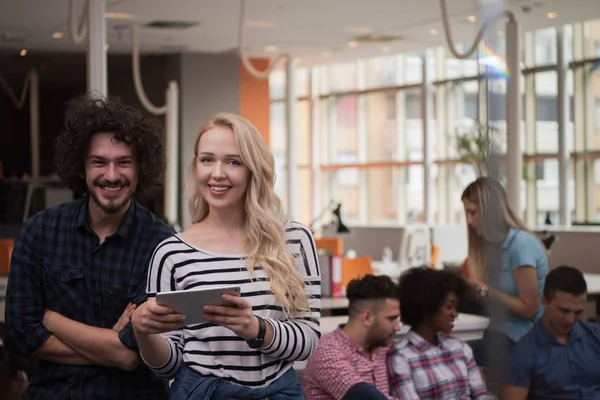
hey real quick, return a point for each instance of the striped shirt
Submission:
(210, 349)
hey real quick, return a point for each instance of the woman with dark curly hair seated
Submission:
(429, 363)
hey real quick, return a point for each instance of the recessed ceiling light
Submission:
(23, 53)
(358, 29)
(551, 15)
(58, 35)
(261, 24)
(353, 44)
(116, 15)
(106, 47)
(433, 31)
(386, 49)
(471, 18)
(271, 49)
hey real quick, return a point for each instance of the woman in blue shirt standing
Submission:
(508, 267)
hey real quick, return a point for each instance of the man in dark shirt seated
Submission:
(560, 357)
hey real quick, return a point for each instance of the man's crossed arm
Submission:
(74, 343)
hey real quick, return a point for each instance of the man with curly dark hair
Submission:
(349, 363)
(429, 363)
(79, 269)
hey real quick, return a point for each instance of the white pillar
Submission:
(34, 122)
(171, 189)
(562, 112)
(427, 115)
(292, 163)
(514, 158)
(96, 56)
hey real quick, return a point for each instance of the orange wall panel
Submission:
(255, 103)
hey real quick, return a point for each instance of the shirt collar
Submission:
(82, 219)
(345, 340)
(509, 238)
(421, 344)
(544, 338)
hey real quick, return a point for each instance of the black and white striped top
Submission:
(213, 350)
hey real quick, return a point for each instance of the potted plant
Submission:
(479, 145)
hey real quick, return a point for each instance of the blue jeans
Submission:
(190, 385)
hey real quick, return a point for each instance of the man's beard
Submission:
(113, 206)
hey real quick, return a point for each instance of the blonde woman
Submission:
(507, 264)
(239, 237)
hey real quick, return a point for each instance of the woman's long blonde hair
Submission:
(497, 217)
(265, 240)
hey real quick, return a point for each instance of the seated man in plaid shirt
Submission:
(79, 268)
(429, 363)
(349, 363)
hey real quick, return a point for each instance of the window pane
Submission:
(277, 84)
(342, 143)
(303, 137)
(546, 136)
(342, 186)
(596, 191)
(302, 80)
(413, 195)
(547, 195)
(305, 200)
(456, 68)
(381, 126)
(342, 77)
(461, 106)
(382, 192)
(381, 71)
(278, 145)
(545, 46)
(594, 108)
(413, 125)
(413, 68)
(592, 32)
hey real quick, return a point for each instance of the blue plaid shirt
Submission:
(58, 264)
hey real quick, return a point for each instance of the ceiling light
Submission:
(352, 44)
(116, 15)
(433, 31)
(106, 47)
(58, 35)
(386, 49)
(261, 24)
(23, 53)
(551, 15)
(358, 29)
(471, 18)
(325, 54)
(270, 49)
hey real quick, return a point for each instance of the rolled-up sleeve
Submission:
(25, 331)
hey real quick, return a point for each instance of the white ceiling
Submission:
(315, 31)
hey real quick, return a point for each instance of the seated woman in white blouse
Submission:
(429, 363)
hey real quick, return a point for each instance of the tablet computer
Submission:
(191, 302)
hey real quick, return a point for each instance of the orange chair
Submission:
(6, 249)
